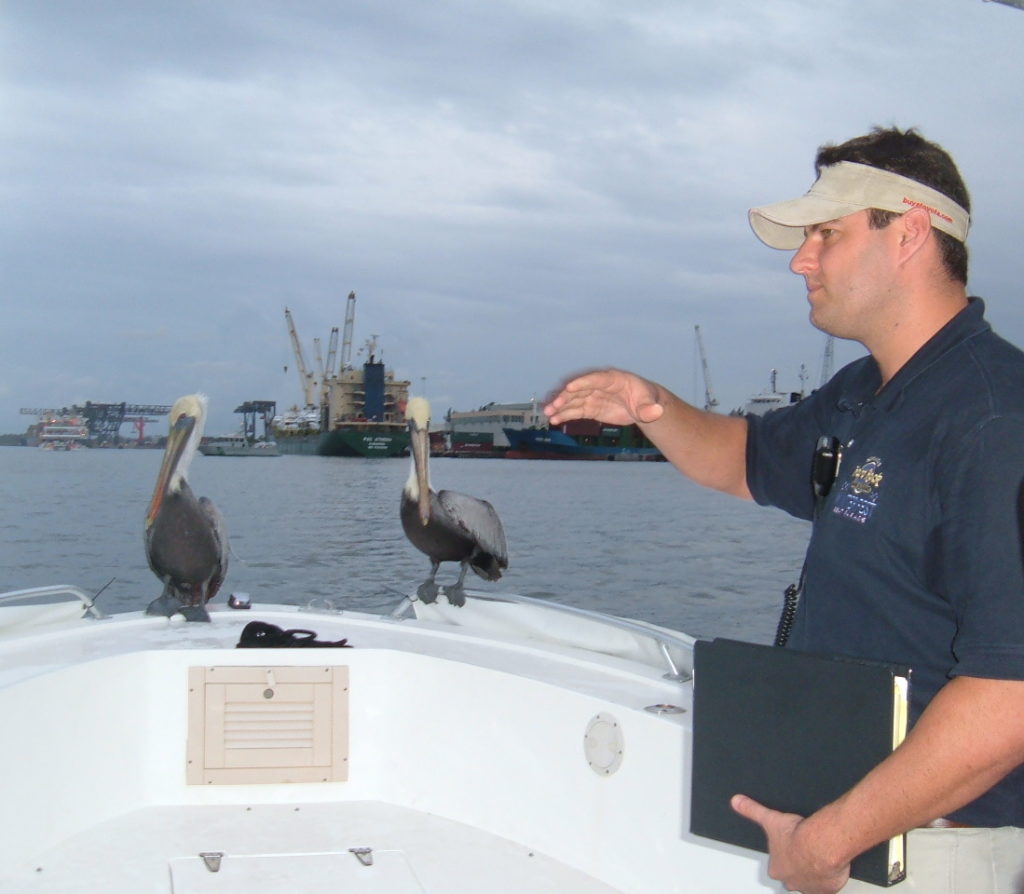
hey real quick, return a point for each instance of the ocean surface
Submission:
(633, 539)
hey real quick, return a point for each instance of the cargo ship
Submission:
(581, 439)
(365, 437)
(353, 411)
(362, 414)
(481, 432)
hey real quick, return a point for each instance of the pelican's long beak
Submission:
(177, 440)
(419, 443)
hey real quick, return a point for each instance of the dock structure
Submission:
(104, 421)
(253, 409)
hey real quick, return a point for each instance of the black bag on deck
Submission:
(261, 635)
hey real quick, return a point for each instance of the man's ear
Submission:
(915, 228)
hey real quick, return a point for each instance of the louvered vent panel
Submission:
(263, 726)
(267, 724)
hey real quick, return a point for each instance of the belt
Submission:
(943, 823)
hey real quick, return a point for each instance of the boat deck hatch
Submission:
(267, 724)
(388, 872)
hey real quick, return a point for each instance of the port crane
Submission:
(319, 358)
(307, 380)
(827, 360)
(139, 424)
(325, 371)
(710, 401)
(346, 342)
(332, 351)
(104, 421)
(328, 374)
(253, 409)
(316, 383)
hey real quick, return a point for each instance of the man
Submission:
(915, 555)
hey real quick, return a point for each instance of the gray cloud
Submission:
(514, 189)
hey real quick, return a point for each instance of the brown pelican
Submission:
(447, 526)
(186, 541)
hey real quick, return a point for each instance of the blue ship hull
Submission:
(529, 443)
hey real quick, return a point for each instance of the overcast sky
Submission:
(514, 189)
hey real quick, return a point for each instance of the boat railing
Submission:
(664, 640)
(55, 590)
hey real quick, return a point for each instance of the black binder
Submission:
(793, 730)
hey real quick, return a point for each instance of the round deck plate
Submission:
(603, 744)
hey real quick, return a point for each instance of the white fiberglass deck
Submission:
(271, 849)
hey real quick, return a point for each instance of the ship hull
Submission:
(298, 445)
(362, 440)
(554, 444)
(238, 447)
(365, 440)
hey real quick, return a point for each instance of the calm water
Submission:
(634, 539)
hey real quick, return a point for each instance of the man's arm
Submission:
(707, 447)
(968, 738)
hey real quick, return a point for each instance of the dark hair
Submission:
(907, 153)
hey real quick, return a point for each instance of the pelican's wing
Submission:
(220, 536)
(478, 520)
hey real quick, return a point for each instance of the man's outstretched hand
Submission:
(612, 396)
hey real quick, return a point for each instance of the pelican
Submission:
(186, 541)
(447, 526)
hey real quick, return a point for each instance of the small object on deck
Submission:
(212, 859)
(261, 635)
(665, 709)
(363, 854)
(239, 601)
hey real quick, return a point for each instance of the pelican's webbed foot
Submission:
(195, 613)
(456, 594)
(164, 605)
(168, 604)
(427, 591)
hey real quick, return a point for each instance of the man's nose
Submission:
(805, 258)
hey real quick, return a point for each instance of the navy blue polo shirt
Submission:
(915, 555)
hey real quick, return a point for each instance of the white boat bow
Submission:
(508, 746)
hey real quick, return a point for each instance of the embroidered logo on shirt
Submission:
(858, 497)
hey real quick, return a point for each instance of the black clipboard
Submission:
(793, 730)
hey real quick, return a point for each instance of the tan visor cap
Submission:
(845, 188)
